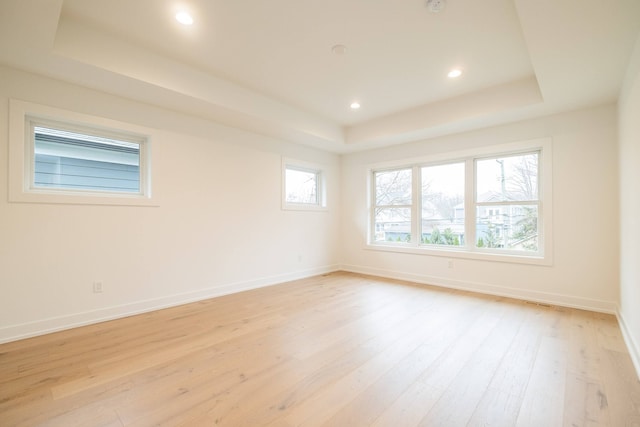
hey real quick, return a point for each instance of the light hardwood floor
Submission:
(335, 350)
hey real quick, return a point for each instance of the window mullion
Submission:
(372, 206)
(470, 204)
(416, 208)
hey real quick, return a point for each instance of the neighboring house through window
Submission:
(58, 156)
(68, 160)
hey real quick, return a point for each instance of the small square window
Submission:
(303, 186)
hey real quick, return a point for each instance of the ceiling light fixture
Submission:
(184, 18)
(355, 105)
(436, 6)
(454, 73)
(339, 49)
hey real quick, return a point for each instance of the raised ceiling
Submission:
(268, 67)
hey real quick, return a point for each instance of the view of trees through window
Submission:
(443, 204)
(506, 204)
(301, 186)
(393, 201)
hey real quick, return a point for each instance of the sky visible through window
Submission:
(301, 186)
(509, 178)
(448, 179)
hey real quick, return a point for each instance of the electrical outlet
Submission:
(97, 287)
(450, 263)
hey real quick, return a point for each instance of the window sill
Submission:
(80, 198)
(300, 207)
(462, 254)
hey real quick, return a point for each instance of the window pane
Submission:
(513, 227)
(392, 225)
(68, 160)
(301, 186)
(512, 178)
(393, 187)
(443, 204)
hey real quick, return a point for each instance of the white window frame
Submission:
(321, 193)
(21, 156)
(544, 256)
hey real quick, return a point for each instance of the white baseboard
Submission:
(45, 326)
(632, 345)
(485, 288)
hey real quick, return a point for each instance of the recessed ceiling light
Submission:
(355, 105)
(184, 18)
(436, 6)
(339, 49)
(454, 73)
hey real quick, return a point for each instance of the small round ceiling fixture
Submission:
(355, 105)
(436, 6)
(339, 49)
(456, 72)
(184, 18)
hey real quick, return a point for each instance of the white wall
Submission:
(585, 215)
(219, 227)
(629, 112)
(208, 237)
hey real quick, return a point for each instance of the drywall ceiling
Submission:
(268, 67)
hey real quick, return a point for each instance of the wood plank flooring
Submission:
(334, 350)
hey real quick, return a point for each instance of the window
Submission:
(303, 186)
(80, 161)
(443, 204)
(478, 205)
(507, 202)
(393, 206)
(57, 156)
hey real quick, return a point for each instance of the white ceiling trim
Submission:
(579, 52)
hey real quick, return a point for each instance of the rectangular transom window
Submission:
(60, 156)
(82, 161)
(481, 205)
